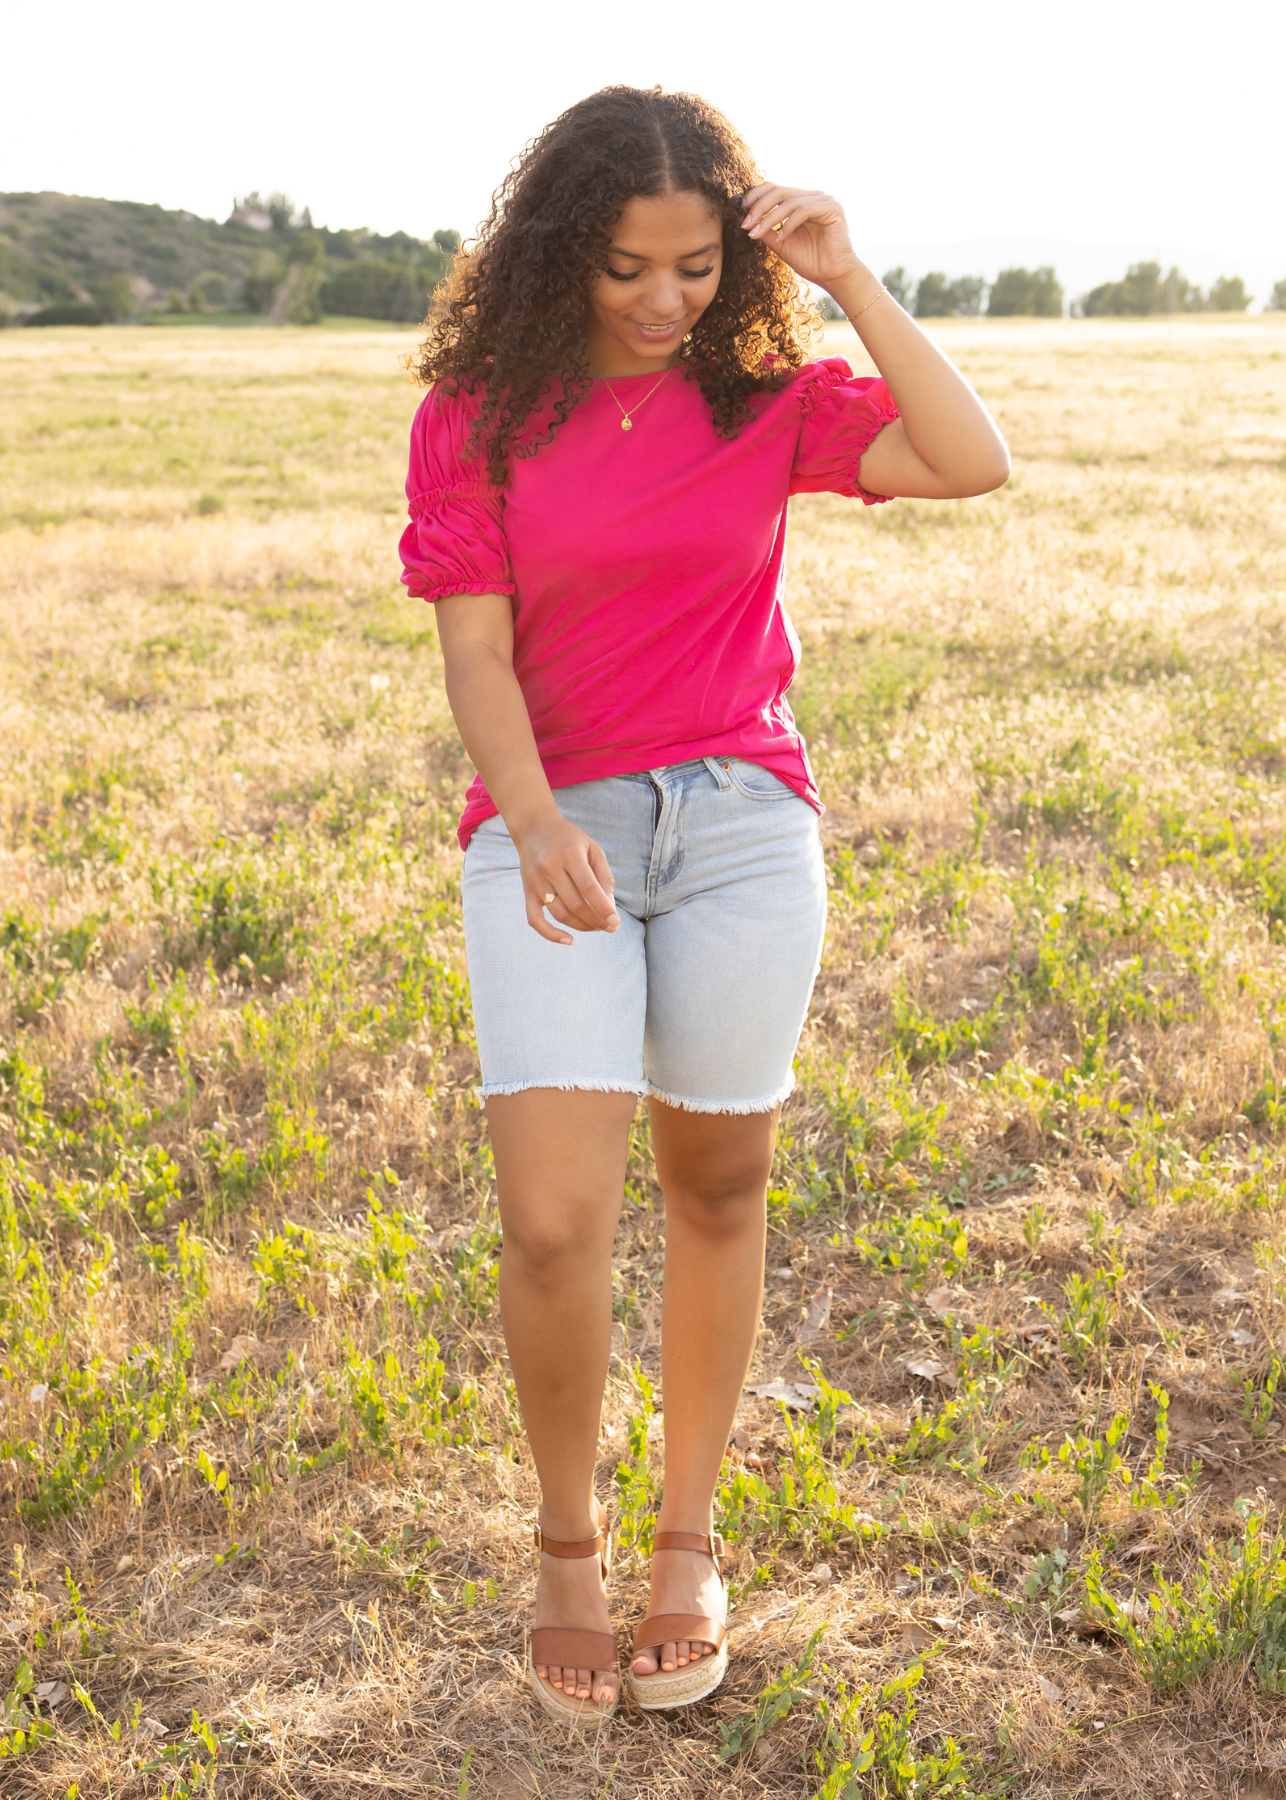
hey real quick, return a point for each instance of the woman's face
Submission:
(662, 272)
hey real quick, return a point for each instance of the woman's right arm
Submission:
(557, 857)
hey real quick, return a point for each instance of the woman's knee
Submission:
(550, 1242)
(717, 1202)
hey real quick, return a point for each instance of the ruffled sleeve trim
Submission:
(431, 498)
(841, 415)
(442, 590)
(816, 380)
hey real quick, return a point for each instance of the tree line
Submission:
(65, 259)
(1037, 293)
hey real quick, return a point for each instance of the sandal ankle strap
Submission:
(690, 1540)
(582, 1547)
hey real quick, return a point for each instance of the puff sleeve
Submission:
(455, 542)
(841, 416)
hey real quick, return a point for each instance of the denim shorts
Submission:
(699, 997)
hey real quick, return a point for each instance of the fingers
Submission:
(540, 924)
(581, 885)
(768, 217)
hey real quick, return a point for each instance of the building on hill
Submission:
(251, 216)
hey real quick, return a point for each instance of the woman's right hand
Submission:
(559, 858)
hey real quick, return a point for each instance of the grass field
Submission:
(260, 1469)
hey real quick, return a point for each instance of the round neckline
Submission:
(650, 376)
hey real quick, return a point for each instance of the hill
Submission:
(128, 259)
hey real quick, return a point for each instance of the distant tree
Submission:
(298, 300)
(1228, 294)
(1034, 293)
(898, 282)
(280, 208)
(176, 301)
(933, 296)
(114, 297)
(447, 241)
(830, 309)
(209, 292)
(261, 284)
(967, 294)
(1278, 301)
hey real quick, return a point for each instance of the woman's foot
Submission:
(683, 1581)
(570, 1596)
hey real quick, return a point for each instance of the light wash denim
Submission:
(700, 996)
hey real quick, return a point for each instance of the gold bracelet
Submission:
(883, 293)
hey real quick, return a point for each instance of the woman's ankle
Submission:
(569, 1523)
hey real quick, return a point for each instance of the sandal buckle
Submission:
(716, 1544)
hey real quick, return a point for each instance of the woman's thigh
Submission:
(732, 959)
(554, 1015)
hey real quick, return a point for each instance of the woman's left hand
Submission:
(813, 236)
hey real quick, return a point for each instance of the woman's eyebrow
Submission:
(687, 256)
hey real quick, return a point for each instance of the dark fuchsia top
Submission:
(646, 566)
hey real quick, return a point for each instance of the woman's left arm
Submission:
(945, 445)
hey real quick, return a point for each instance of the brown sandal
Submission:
(682, 1687)
(571, 1648)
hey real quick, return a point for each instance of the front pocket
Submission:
(754, 782)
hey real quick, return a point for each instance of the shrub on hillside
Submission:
(1277, 303)
(261, 284)
(75, 312)
(378, 290)
(210, 292)
(1033, 293)
(114, 297)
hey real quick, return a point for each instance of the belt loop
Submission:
(719, 771)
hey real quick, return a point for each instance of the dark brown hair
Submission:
(511, 319)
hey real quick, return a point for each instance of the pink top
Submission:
(645, 565)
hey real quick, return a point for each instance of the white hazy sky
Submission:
(1125, 121)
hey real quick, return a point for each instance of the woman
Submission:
(621, 407)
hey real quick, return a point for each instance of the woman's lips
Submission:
(658, 330)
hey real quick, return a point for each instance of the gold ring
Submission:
(550, 898)
(778, 225)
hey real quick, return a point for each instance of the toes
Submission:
(553, 1675)
(669, 1656)
(645, 1663)
(604, 1691)
(583, 1680)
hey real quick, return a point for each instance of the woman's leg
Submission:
(560, 1173)
(713, 1169)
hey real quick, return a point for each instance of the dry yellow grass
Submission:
(1037, 1143)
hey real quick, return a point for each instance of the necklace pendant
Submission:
(626, 426)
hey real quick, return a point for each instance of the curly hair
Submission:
(511, 318)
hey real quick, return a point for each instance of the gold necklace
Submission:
(626, 422)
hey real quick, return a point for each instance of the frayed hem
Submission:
(686, 1103)
(492, 1089)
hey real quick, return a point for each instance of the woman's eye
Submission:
(616, 277)
(696, 274)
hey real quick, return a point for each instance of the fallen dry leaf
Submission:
(950, 1301)
(53, 1693)
(914, 1638)
(927, 1368)
(1049, 1690)
(242, 1347)
(817, 1319)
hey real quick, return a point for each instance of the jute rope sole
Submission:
(680, 1687)
(582, 1714)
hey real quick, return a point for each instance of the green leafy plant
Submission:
(740, 1735)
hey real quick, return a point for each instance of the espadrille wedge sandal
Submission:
(681, 1687)
(566, 1648)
